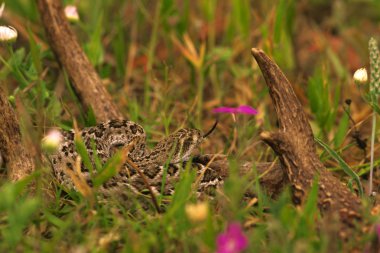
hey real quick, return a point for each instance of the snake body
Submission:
(167, 157)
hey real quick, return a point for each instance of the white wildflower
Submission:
(361, 76)
(71, 13)
(8, 34)
(52, 140)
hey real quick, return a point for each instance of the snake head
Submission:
(177, 147)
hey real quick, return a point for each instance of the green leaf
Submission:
(35, 52)
(319, 93)
(54, 219)
(181, 194)
(95, 157)
(94, 48)
(342, 164)
(109, 170)
(336, 63)
(341, 131)
(279, 21)
(306, 224)
(220, 54)
(91, 118)
(310, 207)
(74, 96)
(18, 218)
(54, 108)
(10, 191)
(82, 151)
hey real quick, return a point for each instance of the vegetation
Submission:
(168, 64)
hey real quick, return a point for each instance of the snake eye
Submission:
(115, 147)
(119, 145)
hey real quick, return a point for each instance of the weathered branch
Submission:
(271, 176)
(294, 144)
(64, 43)
(17, 159)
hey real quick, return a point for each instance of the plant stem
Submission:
(370, 185)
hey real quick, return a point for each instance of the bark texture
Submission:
(271, 175)
(64, 43)
(295, 145)
(15, 156)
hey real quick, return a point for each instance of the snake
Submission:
(168, 157)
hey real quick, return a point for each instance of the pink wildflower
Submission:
(243, 109)
(232, 241)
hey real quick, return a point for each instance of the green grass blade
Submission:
(110, 169)
(340, 133)
(181, 195)
(306, 223)
(98, 163)
(82, 151)
(343, 164)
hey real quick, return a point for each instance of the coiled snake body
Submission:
(102, 141)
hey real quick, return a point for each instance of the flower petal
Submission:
(71, 13)
(8, 34)
(222, 243)
(233, 240)
(243, 109)
(234, 229)
(224, 110)
(246, 109)
(361, 76)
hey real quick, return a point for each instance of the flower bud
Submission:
(71, 13)
(197, 212)
(8, 34)
(361, 76)
(11, 99)
(52, 140)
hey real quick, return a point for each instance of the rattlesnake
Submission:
(102, 140)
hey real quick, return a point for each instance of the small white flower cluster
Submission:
(374, 60)
(8, 34)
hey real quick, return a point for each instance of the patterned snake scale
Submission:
(176, 150)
